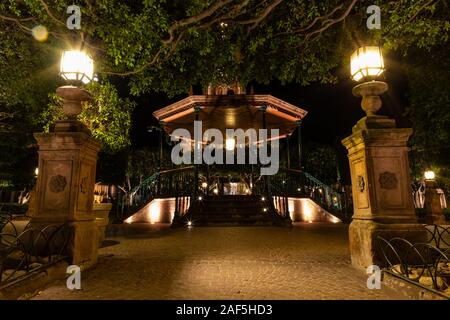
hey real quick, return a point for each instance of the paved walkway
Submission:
(308, 261)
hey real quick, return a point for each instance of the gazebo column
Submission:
(288, 153)
(160, 155)
(264, 126)
(196, 154)
(207, 179)
(299, 143)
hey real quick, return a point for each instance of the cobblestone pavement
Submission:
(308, 261)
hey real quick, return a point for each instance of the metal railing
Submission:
(422, 263)
(180, 183)
(31, 250)
(297, 183)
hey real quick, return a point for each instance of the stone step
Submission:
(232, 210)
(235, 211)
(234, 224)
(209, 216)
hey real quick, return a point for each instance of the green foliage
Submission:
(27, 73)
(321, 161)
(167, 46)
(108, 116)
(429, 111)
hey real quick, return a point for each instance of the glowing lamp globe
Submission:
(429, 175)
(366, 62)
(76, 66)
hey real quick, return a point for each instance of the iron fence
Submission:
(424, 264)
(23, 253)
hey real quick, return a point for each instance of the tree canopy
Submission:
(169, 45)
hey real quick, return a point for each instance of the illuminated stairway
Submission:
(231, 210)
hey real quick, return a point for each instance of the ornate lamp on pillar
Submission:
(378, 157)
(67, 166)
(433, 210)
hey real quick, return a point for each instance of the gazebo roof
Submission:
(231, 112)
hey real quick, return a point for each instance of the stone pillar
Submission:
(381, 187)
(65, 185)
(433, 210)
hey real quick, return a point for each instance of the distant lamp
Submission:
(204, 185)
(230, 144)
(429, 175)
(77, 66)
(36, 171)
(367, 63)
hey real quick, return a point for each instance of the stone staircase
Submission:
(232, 210)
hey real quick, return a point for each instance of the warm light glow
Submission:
(335, 220)
(265, 209)
(36, 171)
(77, 65)
(429, 175)
(189, 223)
(298, 189)
(40, 33)
(263, 199)
(366, 62)
(154, 212)
(200, 198)
(247, 191)
(230, 144)
(204, 185)
(307, 210)
(216, 191)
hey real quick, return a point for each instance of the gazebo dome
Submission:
(230, 111)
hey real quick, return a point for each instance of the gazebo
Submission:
(205, 194)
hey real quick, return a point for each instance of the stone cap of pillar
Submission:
(374, 122)
(67, 141)
(70, 126)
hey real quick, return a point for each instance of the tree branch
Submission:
(330, 22)
(50, 14)
(194, 19)
(257, 20)
(420, 10)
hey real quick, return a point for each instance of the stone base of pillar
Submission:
(364, 244)
(85, 243)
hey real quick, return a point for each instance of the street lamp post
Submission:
(64, 192)
(378, 158)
